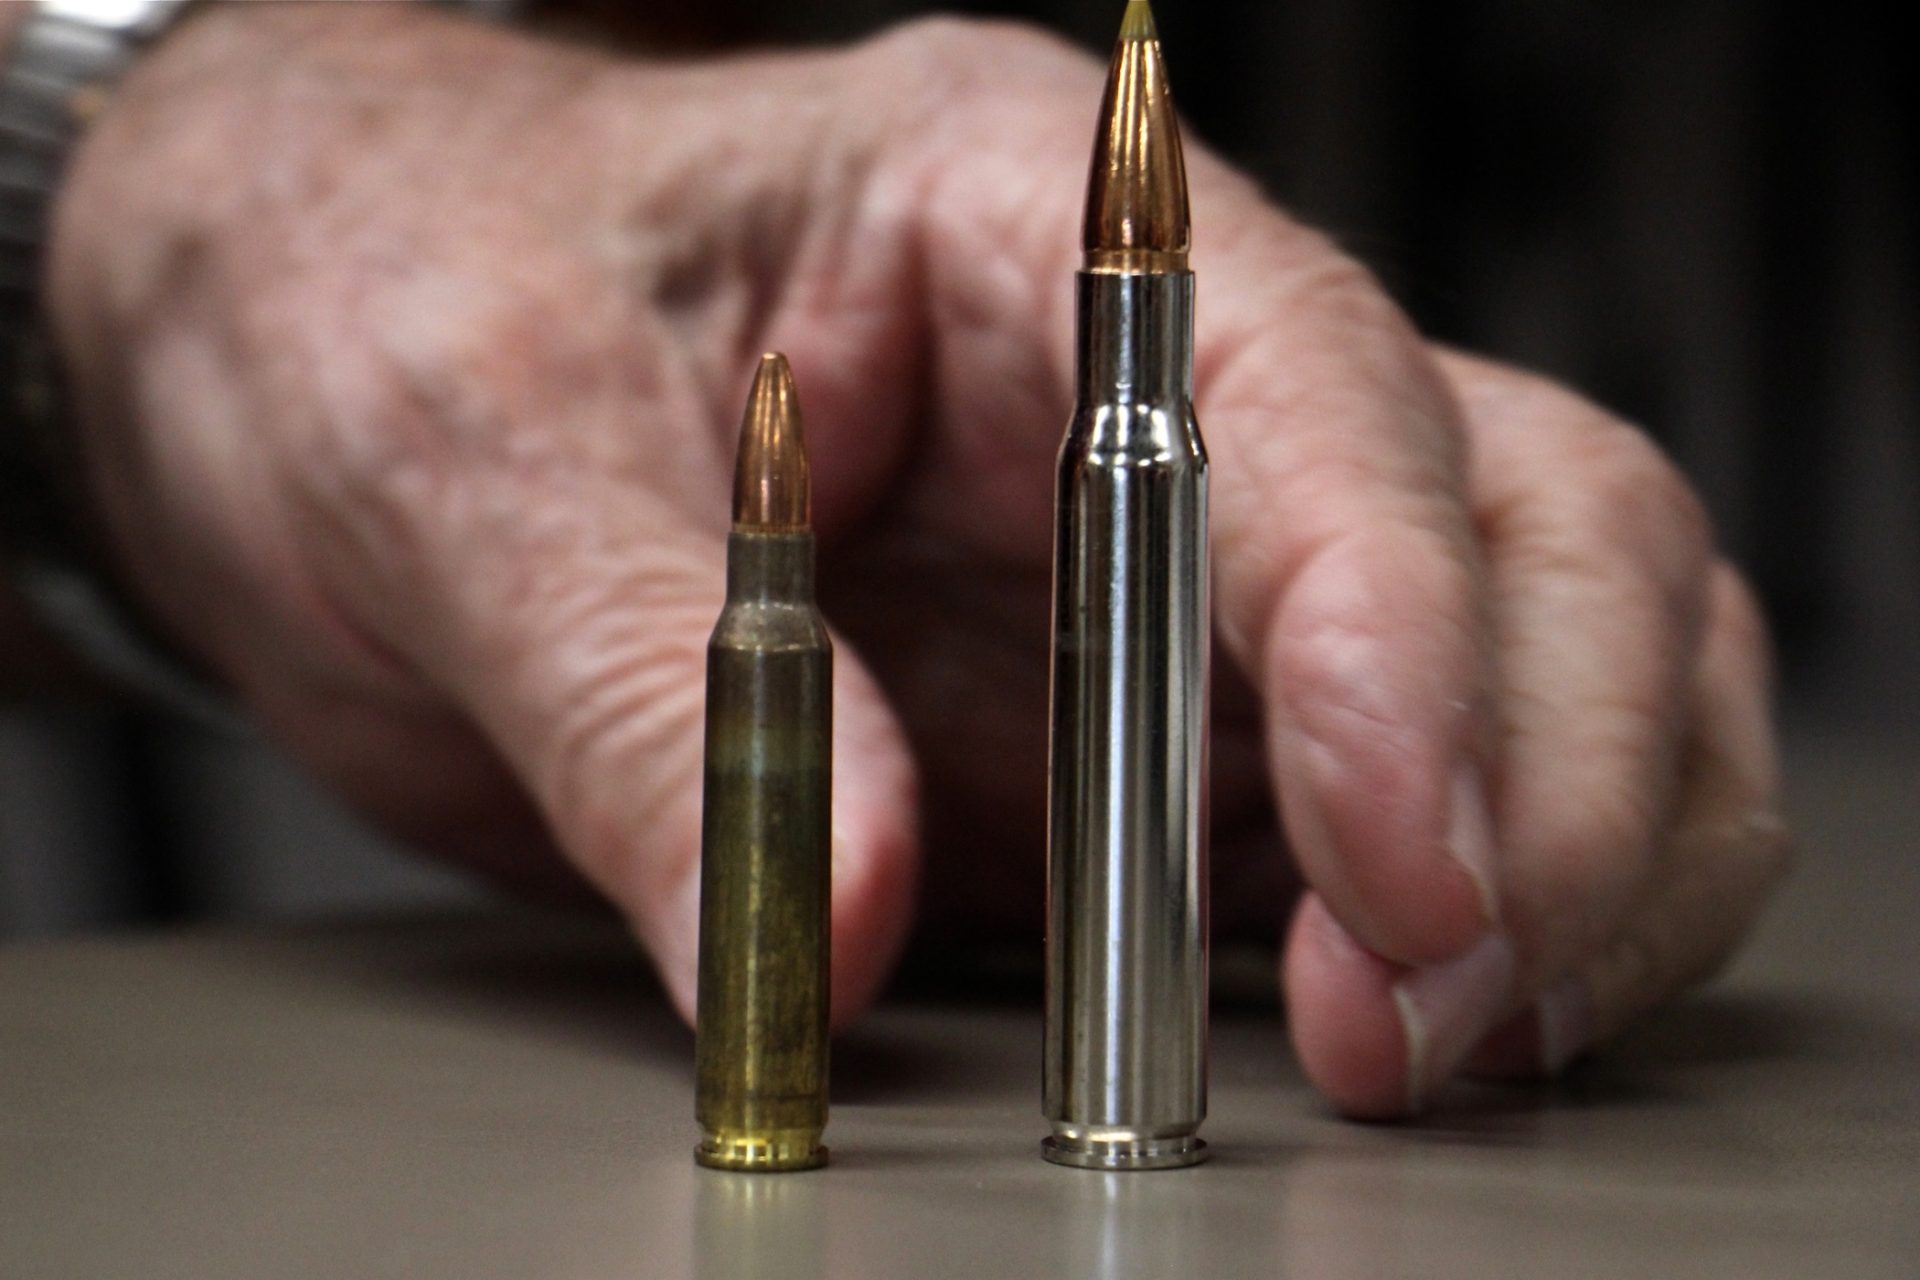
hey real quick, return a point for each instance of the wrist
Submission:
(165, 162)
(251, 113)
(57, 60)
(223, 229)
(68, 101)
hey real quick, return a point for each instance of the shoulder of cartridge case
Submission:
(771, 626)
(1145, 435)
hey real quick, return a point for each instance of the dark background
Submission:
(1700, 212)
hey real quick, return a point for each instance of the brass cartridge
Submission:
(761, 1036)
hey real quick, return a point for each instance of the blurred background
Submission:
(1700, 212)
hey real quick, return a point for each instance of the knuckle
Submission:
(959, 59)
(1638, 498)
(1581, 876)
(373, 451)
(1336, 287)
(1688, 932)
(1365, 583)
(1619, 524)
(1742, 623)
(1310, 365)
(996, 91)
(1300, 293)
(435, 418)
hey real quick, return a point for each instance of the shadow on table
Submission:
(580, 979)
(575, 978)
(1729, 1054)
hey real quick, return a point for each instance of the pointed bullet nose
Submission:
(773, 380)
(770, 475)
(1137, 213)
(1138, 25)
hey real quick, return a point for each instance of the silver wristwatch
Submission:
(63, 60)
(65, 56)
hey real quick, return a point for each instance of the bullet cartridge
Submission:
(1125, 1060)
(761, 1022)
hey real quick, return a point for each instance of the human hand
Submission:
(410, 358)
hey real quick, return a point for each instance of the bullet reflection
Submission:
(1129, 1226)
(758, 1226)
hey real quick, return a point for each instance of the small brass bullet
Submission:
(761, 1021)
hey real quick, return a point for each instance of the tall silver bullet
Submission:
(1126, 1030)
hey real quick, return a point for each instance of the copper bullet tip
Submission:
(1138, 22)
(1137, 210)
(770, 484)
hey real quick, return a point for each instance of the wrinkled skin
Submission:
(410, 360)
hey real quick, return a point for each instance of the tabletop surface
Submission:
(508, 1096)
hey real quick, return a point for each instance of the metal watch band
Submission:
(64, 54)
(63, 61)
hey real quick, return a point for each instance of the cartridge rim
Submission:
(761, 1152)
(1123, 1155)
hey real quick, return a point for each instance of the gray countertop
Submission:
(507, 1096)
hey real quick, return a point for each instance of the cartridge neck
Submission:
(1135, 337)
(769, 566)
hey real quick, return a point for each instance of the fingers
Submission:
(1600, 560)
(1627, 661)
(1373, 1036)
(1349, 583)
(1730, 845)
(1728, 849)
(575, 636)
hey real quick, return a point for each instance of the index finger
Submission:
(1349, 580)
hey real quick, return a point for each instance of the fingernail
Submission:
(1565, 1018)
(1470, 835)
(1446, 1009)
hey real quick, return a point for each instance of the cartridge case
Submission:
(761, 1055)
(1126, 1007)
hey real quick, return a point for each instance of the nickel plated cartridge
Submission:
(761, 1022)
(1125, 1061)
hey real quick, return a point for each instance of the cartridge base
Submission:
(1118, 1154)
(778, 1151)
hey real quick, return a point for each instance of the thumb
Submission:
(582, 658)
